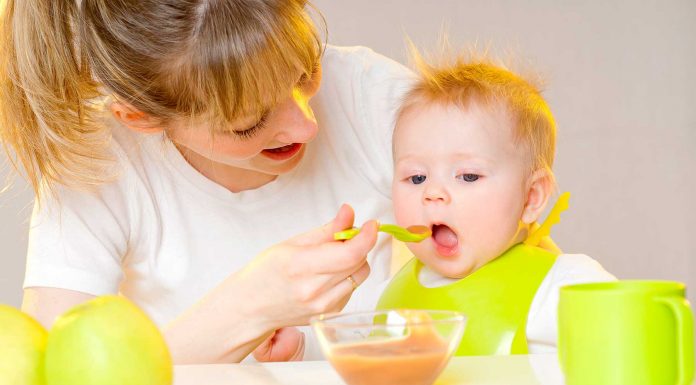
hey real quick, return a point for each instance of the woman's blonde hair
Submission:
(460, 79)
(217, 59)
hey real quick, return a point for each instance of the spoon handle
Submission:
(352, 232)
(346, 234)
(397, 232)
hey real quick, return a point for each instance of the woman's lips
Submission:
(446, 240)
(282, 153)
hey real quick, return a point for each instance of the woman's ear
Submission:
(134, 119)
(539, 190)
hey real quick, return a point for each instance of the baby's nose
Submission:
(435, 193)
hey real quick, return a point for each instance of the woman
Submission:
(171, 142)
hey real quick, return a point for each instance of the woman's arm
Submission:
(45, 304)
(283, 286)
(223, 327)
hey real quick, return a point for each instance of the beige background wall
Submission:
(621, 82)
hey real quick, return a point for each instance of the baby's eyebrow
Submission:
(458, 156)
(468, 156)
(414, 158)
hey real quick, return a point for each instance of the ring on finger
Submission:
(352, 281)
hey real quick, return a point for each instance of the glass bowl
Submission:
(405, 347)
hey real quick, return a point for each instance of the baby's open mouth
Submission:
(445, 239)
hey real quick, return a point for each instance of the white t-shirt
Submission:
(542, 328)
(164, 235)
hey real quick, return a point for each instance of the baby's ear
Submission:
(135, 119)
(539, 189)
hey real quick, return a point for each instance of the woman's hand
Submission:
(309, 274)
(283, 286)
(286, 344)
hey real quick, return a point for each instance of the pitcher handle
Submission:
(685, 337)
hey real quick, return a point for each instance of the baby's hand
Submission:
(285, 344)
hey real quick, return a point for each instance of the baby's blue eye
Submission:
(418, 179)
(469, 177)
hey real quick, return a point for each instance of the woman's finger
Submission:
(356, 278)
(342, 257)
(361, 274)
(337, 296)
(343, 220)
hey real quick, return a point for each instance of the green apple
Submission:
(22, 347)
(107, 341)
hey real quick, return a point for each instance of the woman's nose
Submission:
(435, 193)
(300, 125)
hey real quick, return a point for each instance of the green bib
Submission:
(495, 298)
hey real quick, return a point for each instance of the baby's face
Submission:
(459, 172)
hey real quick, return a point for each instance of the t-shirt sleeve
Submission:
(77, 241)
(542, 328)
(384, 84)
(365, 89)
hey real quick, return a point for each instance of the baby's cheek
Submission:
(406, 215)
(492, 250)
(486, 256)
(416, 249)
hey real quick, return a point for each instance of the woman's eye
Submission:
(417, 179)
(253, 130)
(248, 133)
(469, 177)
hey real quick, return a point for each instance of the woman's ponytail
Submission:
(46, 119)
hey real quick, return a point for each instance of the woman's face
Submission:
(271, 146)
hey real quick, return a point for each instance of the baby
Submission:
(473, 150)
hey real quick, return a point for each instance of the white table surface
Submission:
(537, 369)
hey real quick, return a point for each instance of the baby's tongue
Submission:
(444, 236)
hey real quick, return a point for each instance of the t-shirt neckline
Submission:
(195, 179)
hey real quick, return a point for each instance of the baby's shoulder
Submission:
(577, 268)
(568, 269)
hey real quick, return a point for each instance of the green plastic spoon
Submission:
(414, 233)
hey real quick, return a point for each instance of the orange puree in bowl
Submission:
(415, 359)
